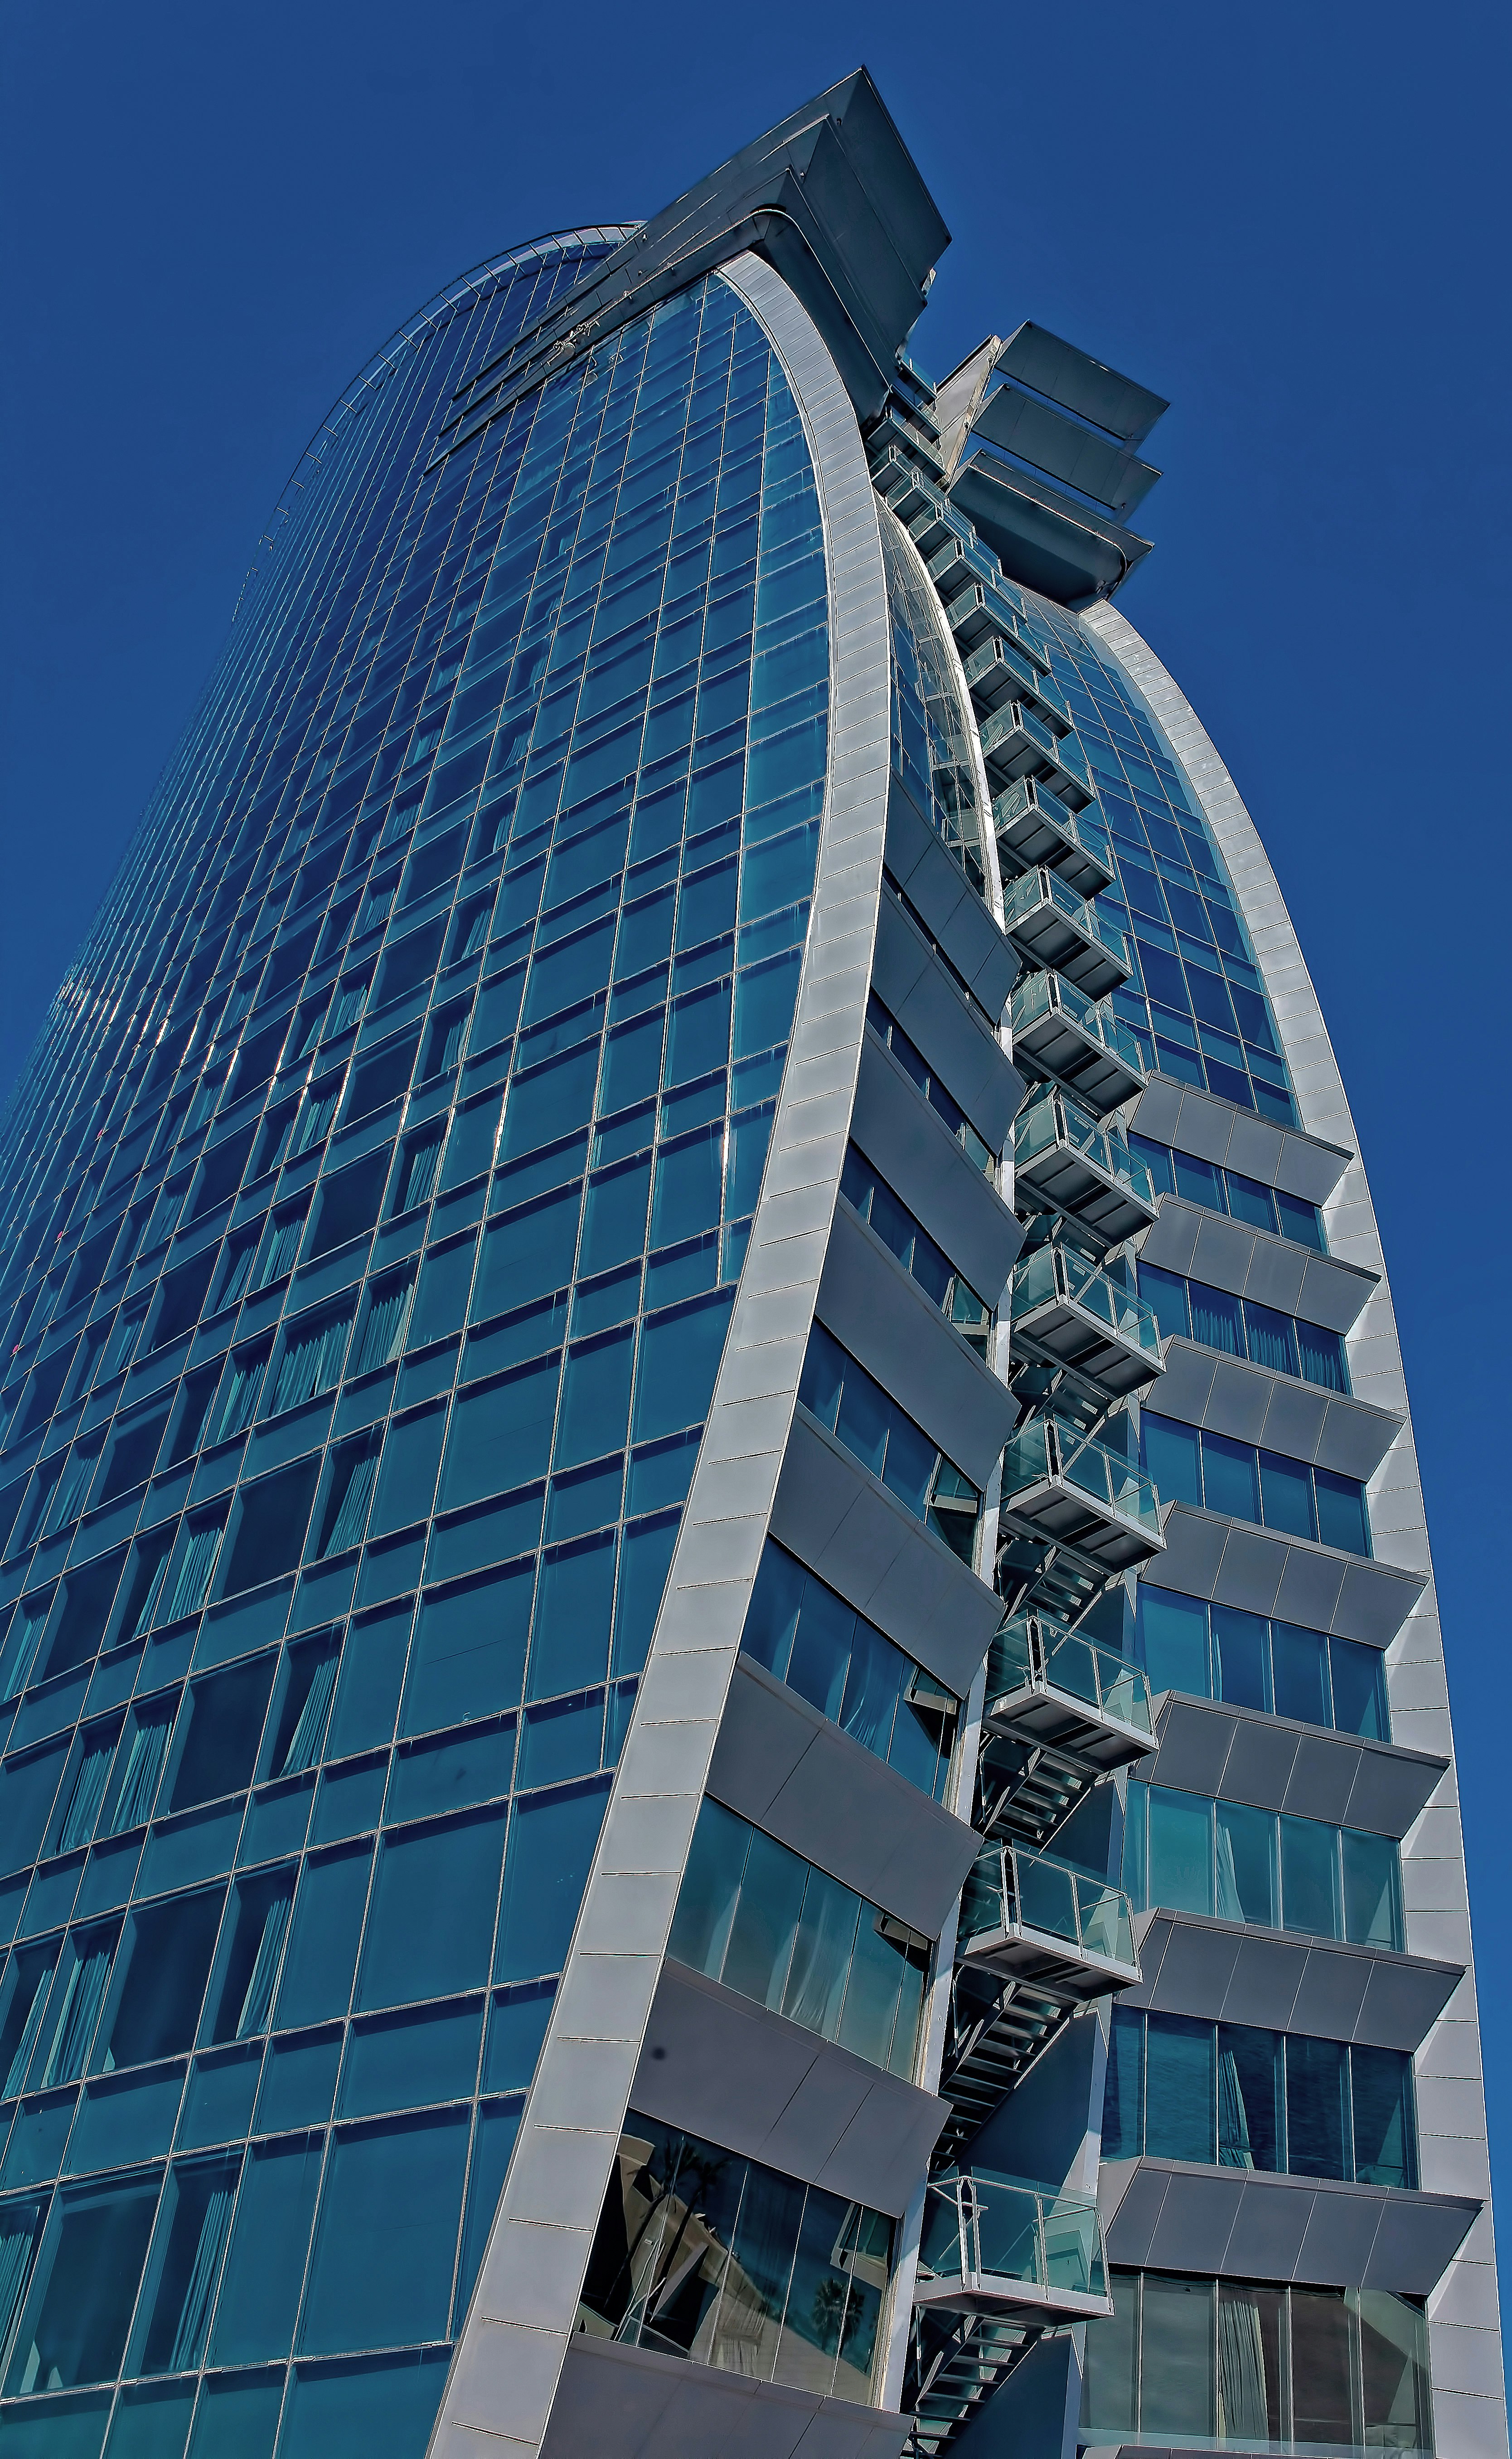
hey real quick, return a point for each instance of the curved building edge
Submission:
(1464, 2328)
(507, 2366)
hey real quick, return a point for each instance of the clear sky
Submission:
(1291, 220)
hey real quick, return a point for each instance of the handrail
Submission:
(1058, 1272)
(1011, 1888)
(979, 2225)
(1050, 1447)
(1032, 1651)
(1057, 1119)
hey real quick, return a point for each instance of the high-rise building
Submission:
(723, 1727)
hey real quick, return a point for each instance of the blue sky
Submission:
(1291, 222)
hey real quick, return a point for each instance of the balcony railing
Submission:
(1063, 1687)
(1072, 1165)
(993, 2243)
(1033, 826)
(1016, 736)
(1050, 924)
(1073, 1490)
(1044, 1920)
(1059, 1029)
(1071, 1312)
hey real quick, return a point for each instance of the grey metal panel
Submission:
(1333, 1293)
(1330, 1995)
(1193, 1746)
(1185, 1387)
(1404, 1997)
(1193, 1556)
(1390, 1789)
(1310, 1588)
(921, 1161)
(884, 1563)
(637, 2403)
(1267, 1975)
(1046, 539)
(1034, 432)
(1250, 1263)
(1415, 2239)
(1238, 1401)
(1195, 1971)
(1277, 1272)
(1216, 1130)
(911, 981)
(1261, 1762)
(880, 1313)
(1375, 1601)
(1222, 1251)
(1250, 1573)
(1322, 1778)
(1173, 1238)
(1295, 1417)
(1196, 2220)
(1339, 2235)
(744, 2078)
(1208, 1557)
(937, 887)
(1130, 2202)
(1067, 375)
(1193, 1964)
(1231, 1397)
(828, 197)
(1269, 2229)
(784, 1766)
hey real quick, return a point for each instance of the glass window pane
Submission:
(1180, 1851)
(1179, 2089)
(1321, 2406)
(1316, 2108)
(1173, 1639)
(1241, 1653)
(1251, 2408)
(1171, 1456)
(1301, 1673)
(1309, 1876)
(1272, 1339)
(1372, 1890)
(1246, 1854)
(1216, 1320)
(1360, 1690)
(1249, 2088)
(386, 2236)
(1228, 1478)
(1176, 2358)
(1385, 2146)
(1342, 1520)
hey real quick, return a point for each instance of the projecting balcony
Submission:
(994, 2245)
(1032, 825)
(1050, 925)
(1061, 1032)
(1039, 1921)
(1067, 1487)
(1060, 1691)
(1001, 670)
(1071, 1165)
(893, 429)
(974, 610)
(1064, 1310)
(936, 523)
(901, 483)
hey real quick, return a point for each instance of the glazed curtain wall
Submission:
(341, 1521)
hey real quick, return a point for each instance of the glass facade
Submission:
(350, 1420)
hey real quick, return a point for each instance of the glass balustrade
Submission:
(1047, 994)
(1011, 1889)
(1054, 1119)
(1031, 1652)
(1042, 887)
(1056, 1274)
(980, 2225)
(1050, 1450)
